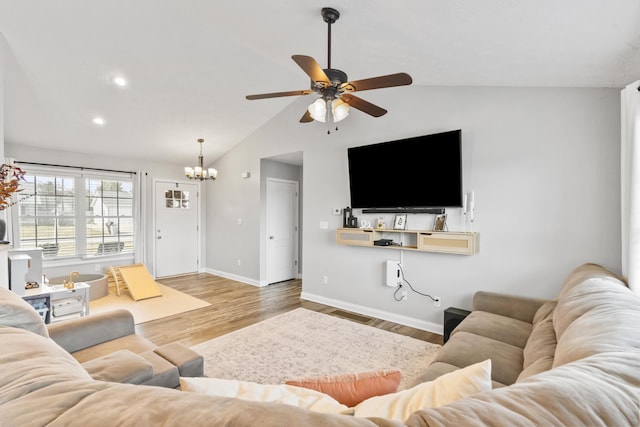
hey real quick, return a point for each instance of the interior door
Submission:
(282, 230)
(176, 228)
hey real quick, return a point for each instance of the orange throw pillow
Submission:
(351, 389)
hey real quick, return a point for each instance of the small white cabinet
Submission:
(63, 303)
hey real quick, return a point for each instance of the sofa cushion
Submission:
(583, 272)
(29, 361)
(464, 349)
(134, 343)
(301, 397)
(511, 306)
(501, 328)
(573, 302)
(538, 366)
(601, 309)
(435, 370)
(601, 390)
(544, 312)
(121, 366)
(351, 389)
(16, 312)
(542, 341)
(165, 373)
(188, 362)
(99, 403)
(441, 391)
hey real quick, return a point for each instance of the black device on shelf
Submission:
(383, 242)
(407, 175)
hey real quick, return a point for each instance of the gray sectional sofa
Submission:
(110, 350)
(574, 361)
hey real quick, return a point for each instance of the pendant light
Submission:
(199, 172)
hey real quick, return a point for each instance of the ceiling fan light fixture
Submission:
(334, 87)
(318, 110)
(339, 109)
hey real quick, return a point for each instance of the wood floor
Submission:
(235, 305)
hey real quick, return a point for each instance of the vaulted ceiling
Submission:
(190, 63)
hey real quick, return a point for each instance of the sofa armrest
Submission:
(515, 307)
(77, 334)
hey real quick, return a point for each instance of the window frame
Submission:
(81, 197)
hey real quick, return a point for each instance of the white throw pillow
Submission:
(281, 393)
(441, 391)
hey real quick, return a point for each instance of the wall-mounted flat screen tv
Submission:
(419, 172)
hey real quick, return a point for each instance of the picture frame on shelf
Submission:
(380, 223)
(440, 222)
(400, 222)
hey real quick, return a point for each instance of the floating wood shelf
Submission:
(450, 242)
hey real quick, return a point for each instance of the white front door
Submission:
(282, 230)
(176, 228)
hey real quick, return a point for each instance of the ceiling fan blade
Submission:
(306, 118)
(279, 94)
(391, 80)
(312, 68)
(362, 105)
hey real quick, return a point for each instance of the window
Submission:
(109, 216)
(76, 214)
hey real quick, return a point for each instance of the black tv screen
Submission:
(419, 172)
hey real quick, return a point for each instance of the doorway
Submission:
(282, 230)
(176, 231)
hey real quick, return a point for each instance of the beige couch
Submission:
(572, 362)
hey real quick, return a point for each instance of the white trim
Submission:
(236, 277)
(102, 260)
(378, 314)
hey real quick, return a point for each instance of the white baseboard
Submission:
(242, 279)
(378, 314)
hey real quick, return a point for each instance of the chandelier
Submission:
(199, 172)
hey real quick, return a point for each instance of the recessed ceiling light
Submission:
(120, 81)
(98, 121)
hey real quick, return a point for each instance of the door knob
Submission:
(159, 237)
(272, 237)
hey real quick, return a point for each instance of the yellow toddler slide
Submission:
(137, 279)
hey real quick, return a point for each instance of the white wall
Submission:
(543, 164)
(4, 273)
(154, 171)
(3, 49)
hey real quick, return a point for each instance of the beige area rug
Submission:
(171, 302)
(306, 343)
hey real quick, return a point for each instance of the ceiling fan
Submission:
(333, 86)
